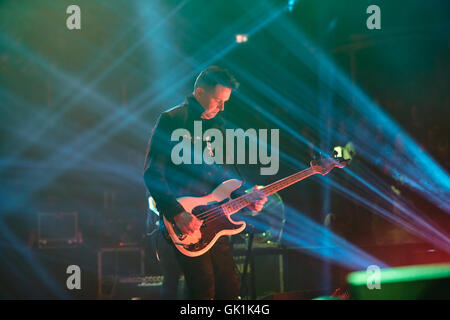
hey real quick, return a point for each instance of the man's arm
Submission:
(157, 168)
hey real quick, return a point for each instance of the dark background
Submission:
(77, 109)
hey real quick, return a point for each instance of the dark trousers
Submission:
(170, 268)
(212, 275)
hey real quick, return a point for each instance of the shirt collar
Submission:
(194, 106)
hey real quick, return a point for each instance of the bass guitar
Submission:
(215, 209)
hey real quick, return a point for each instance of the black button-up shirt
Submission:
(167, 181)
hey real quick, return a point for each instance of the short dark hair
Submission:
(214, 75)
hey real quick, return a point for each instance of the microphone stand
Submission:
(249, 259)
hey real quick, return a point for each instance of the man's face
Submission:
(213, 100)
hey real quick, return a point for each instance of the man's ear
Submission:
(199, 92)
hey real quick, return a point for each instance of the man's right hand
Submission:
(187, 223)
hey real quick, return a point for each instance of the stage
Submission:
(123, 123)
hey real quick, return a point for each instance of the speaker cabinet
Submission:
(264, 275)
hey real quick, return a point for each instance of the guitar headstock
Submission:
(325, 165)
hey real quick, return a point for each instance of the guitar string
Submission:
(218, 212)
(218, 209)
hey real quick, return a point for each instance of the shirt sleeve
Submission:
(157, 169)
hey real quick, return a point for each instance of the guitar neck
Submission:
(237, 204)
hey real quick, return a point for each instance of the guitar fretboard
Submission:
(237, 204)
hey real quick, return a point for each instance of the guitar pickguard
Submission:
(215, 224)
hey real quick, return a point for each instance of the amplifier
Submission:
(116, 264)
(57, 230)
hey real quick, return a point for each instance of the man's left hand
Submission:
(258, 200)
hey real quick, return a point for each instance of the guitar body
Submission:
(213, 227)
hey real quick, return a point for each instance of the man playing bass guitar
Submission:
(211, 275)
